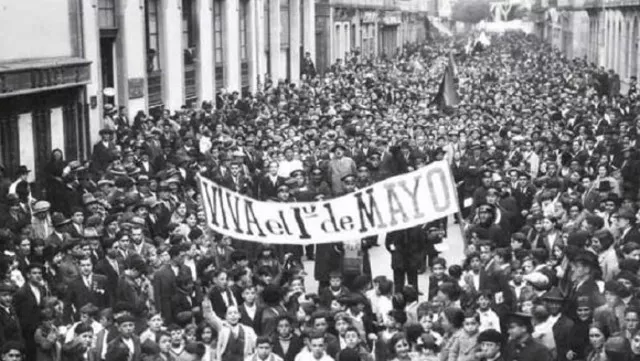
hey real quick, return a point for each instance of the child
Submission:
(334, 291)
(426, 319)
(164, 344)
(490, 342)
(353, 341)
(428, 348)
(393, 323)
(154, 326)
(488, 317)
(177, 341)
(464, 348)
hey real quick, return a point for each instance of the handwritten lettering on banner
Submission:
(396, 203)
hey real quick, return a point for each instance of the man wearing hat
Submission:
(490, 342)
(521, 345)
(562, 325)
(584, 267)
(103, 152)
(58, 234)
(27, 302)
(627, 225)
(339, 167)
(41, 223)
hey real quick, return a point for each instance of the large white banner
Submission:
(396, 203)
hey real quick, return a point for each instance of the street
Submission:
(381, 259)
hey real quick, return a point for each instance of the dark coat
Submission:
(408, 248)
(27, 308)
(267, 189)
(102, 155)
(529, 350)
(295, 346)
(119, 343)
(562, 335)
(79, 295)
(103, 267)
(246, 320)
(164, 287)
(10, 329)
(328, 259)
(217, 302)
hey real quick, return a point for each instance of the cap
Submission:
(490, 335)
(41, 206)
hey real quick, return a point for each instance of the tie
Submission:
(87, 282)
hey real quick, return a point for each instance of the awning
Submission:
(28, 76)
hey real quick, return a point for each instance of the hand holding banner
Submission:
(396, 203)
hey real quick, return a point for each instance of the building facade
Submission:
(370, 27)
(64, 60)
(605, 32)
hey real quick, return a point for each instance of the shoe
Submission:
(311, 257)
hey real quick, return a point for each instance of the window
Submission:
(153, 36)
(217, 30)
(107, 14)
(218, 27)
(284, 24)
(188, 31)
(243, 29)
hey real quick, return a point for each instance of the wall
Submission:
(44, 22)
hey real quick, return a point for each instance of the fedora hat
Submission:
(58, 220)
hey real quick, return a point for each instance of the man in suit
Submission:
(626, 222)
(110, 266)
(164, 281)
(103, 151)
(9, 321)
(269, 184)
(88, 288)
(562, 325)
(522, 346)
(126, 339)
(58, 236)
(26, 302)
(236, 181)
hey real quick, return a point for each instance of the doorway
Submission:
(107, 62)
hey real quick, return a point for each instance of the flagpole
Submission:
(458, 214)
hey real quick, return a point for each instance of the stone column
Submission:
(132, 63)
(274, 40)
(309, 27)
(91, 45)
(205, 77)
(231, 50)
(294, 40)
(171, 51)
(253, 30)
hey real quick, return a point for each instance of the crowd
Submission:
(111, 259)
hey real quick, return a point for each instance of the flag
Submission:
(447, 94)
(452, 64)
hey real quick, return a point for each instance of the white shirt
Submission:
(36, 292)
(251, 310)
(489, 320)
(191, 264)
